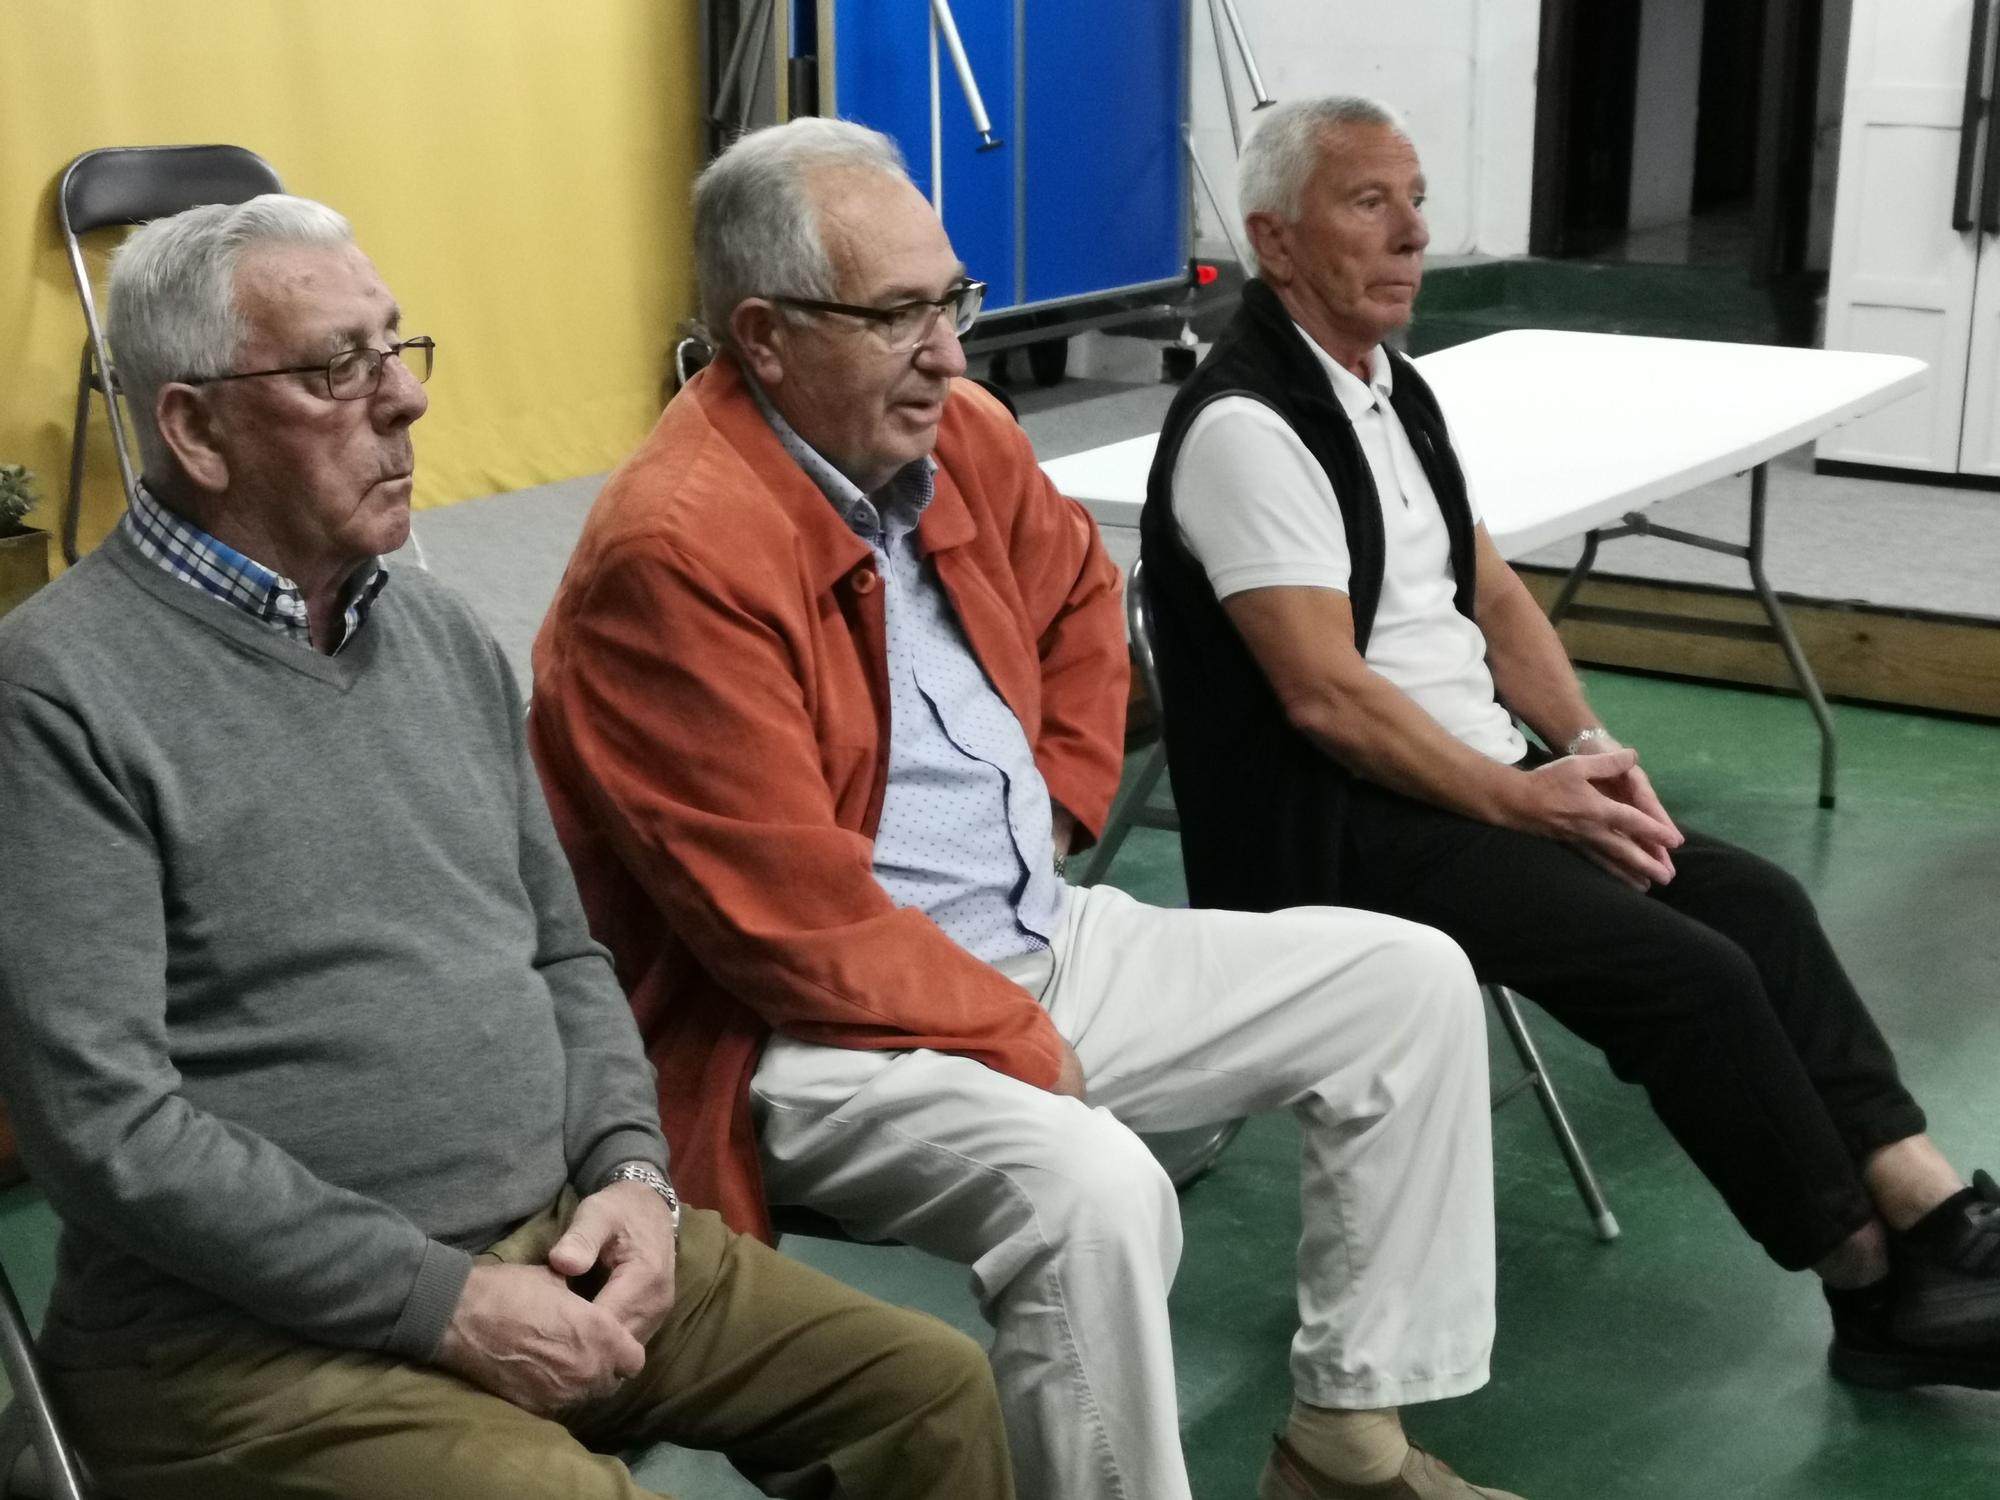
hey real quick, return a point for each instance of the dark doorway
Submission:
(1725, 137)
(1586, 121)
(1747, 188)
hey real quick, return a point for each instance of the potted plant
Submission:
(24, 551)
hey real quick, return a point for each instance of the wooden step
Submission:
(1861, 653)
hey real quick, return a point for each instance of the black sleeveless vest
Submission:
(1261, 807)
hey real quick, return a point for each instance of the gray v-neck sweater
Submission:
(297, 1002)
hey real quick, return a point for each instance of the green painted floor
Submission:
(1677, 1364)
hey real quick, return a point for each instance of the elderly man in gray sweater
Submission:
(355, 1148)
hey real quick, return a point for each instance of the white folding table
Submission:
(1561, 433)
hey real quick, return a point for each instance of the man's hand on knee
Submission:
(626, 1229)
(1632, 787)
(1581, 800)
(521, 1333)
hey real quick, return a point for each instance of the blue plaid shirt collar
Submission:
(190, 554)
(895, 507)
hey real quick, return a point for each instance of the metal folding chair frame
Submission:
(36, 1461)
(1135, 808)
(126, 185)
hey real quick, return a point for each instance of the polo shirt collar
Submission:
(1356, 397)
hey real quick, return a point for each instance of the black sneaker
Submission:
(1866, 1350)
(1946, 1282)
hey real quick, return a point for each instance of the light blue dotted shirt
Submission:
(965, 835)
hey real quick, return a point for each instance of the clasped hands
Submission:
(1600, 802)
(527, 1335)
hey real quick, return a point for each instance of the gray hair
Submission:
(756, 227)
(173, 312)
(1280, 158)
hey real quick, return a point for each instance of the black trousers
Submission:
(1718, 993)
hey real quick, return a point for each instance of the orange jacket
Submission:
(711, 716)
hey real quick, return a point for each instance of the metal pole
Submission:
(61, 1477)
(732, 70)
(1601, 1218)
(947, 27)
(1125, 816)
(937, 127)
(1575, 580)
(1264, 100)
(1222, 67)
(1794, 653)
(1221, 215)
(755, 67)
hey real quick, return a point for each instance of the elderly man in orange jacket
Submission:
(833, 683)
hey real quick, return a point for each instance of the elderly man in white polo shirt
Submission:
(1345, 656)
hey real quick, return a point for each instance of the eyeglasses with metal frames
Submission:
(351, 374)
(907, 324)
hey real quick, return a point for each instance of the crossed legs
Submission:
(1370, 1030)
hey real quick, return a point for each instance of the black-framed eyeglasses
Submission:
(351, 374)
(907, 324)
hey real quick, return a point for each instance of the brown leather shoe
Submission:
(1424, 1477)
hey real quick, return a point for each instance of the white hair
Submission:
(756, 227)
(173, 313)
(1280, 158)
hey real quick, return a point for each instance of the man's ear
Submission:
(1271, 243)
(189, 428)
(758, 333)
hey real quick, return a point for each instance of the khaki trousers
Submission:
(809, 1387)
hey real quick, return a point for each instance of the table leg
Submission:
(1778, 628)
(1567, 594)
(1802, 670)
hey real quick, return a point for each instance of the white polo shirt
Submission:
(1257, 510)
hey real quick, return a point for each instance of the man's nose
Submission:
(1416, 232)
(401, 398)
(941, 353)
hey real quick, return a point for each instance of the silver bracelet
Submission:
(1584, 737)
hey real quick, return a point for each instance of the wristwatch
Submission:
(647, 1175)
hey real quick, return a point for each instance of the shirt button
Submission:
(864, 580)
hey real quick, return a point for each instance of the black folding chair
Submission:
(120, 186)
(1136, 809)
(36, 1461)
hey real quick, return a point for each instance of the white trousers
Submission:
(1368, 1028)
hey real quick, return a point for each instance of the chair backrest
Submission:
(132, 184)
(29, 1426)
(119, 185)
(1139, 626)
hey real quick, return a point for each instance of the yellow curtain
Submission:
(517, 169)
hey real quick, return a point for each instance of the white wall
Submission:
(1462, 72)
(1663, 116)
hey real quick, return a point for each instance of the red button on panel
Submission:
(864, 580)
